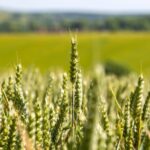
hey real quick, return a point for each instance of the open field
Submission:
(75, 110)
(53, 50)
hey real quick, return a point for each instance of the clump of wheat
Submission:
(90, 135)
(94, 111)
(58, 128)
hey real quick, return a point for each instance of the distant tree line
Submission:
(51, 22)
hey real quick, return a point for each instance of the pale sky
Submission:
(107, 6)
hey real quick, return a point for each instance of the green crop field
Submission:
(72, 110)
(53, 50)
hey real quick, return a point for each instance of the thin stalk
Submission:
(72, 105)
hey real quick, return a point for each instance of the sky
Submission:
(107, 6)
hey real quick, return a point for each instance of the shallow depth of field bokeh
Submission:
(52, 50)
(74, 75)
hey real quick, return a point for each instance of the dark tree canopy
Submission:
(51, 22)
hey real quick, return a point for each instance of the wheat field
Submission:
(72, 110)
(51, 50)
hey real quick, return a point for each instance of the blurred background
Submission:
(114, 33)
